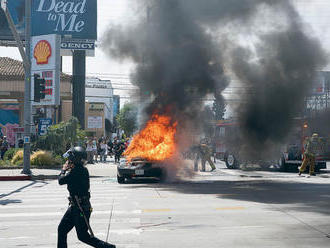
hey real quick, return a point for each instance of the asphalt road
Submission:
(226, 208)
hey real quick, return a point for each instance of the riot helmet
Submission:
(77, 155)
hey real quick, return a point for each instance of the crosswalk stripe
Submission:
(117, 220)
(36, 214)
(25, 206)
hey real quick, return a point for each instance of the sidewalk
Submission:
(95, 170)
(37, 174)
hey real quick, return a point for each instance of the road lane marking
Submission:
(231, 208)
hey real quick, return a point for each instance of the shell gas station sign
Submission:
(45, 64)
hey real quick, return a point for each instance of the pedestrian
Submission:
(313, 147)
(104, 149)
(99, 151)
(110, 148)
(89, 150)
(4, 147)
(76, 176)
(95, 150)
(205, 152)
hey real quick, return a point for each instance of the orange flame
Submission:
(155, 142)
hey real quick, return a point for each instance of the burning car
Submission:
(139, 168)
(149, 148)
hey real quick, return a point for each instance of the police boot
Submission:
(107, 245)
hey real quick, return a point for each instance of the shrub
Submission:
(42, 158)
(60, 136)
(10, 153)
(18, 158)
(3, 162)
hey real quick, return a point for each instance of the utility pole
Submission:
(27, 92)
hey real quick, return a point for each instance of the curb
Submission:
(44, 177)
(15, 178)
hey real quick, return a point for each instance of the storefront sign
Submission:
(96, 106)
(78, 45)
(94, 122)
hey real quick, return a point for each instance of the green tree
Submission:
(60, 136)
(127, 118)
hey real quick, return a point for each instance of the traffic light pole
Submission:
(27, 92)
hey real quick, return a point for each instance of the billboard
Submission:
(17, 11)
(76, 19)
(45, 62)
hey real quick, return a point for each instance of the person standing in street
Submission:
(110, 148)
(104, 150)
(205, 152)
(76, 177)
(89, 150)
(95, 149)
(313, 147)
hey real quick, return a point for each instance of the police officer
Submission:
(76, 176)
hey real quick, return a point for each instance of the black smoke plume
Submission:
(187, 49)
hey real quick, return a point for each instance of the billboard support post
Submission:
(78, 86)
(27, 93)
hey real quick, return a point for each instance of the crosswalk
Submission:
(31, 212)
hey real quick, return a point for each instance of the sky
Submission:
(316, 14)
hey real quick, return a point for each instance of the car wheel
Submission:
(231, 161)
(120, 179)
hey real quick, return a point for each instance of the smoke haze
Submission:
(187, 49)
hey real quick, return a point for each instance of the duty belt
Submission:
(82, 200)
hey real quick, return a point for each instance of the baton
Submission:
(82, 211)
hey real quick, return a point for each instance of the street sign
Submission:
(26, 139)
(76, 18)
(45, 62)
(44, 123)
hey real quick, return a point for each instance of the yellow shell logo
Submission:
(42, 52)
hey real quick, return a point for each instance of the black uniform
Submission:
(77, 181)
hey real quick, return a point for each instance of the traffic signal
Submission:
(39, 88)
